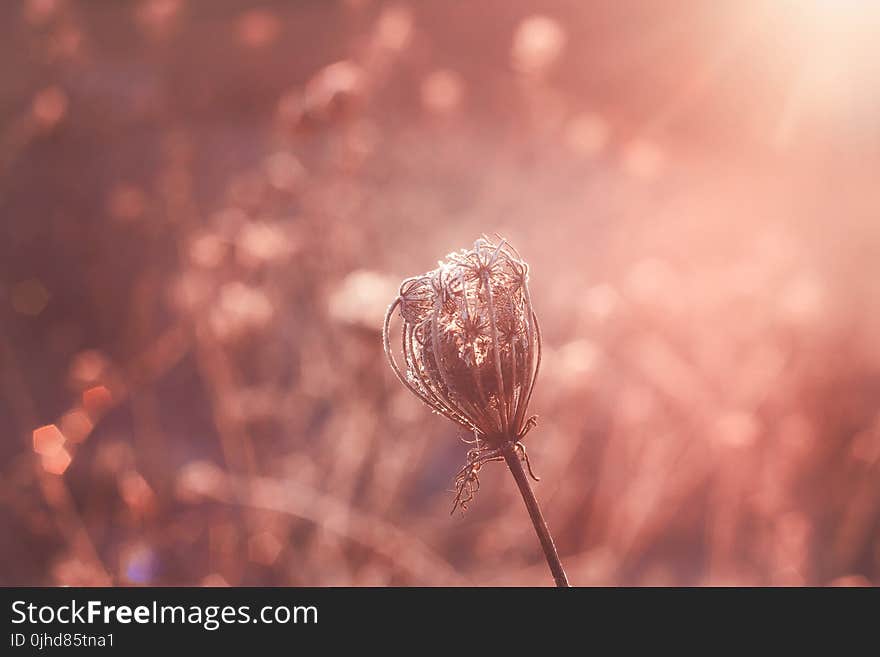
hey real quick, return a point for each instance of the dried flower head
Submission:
(472, 348)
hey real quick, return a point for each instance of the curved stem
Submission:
(541, 529)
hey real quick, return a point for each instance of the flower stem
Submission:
(541, 529)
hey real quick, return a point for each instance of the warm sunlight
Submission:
(206, 209)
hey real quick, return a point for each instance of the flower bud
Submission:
(470, 340)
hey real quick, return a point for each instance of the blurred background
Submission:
(207, 205)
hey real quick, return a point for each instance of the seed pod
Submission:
(470, 340)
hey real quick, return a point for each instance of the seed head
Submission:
(470, 340)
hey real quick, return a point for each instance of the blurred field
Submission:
(206, 207)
